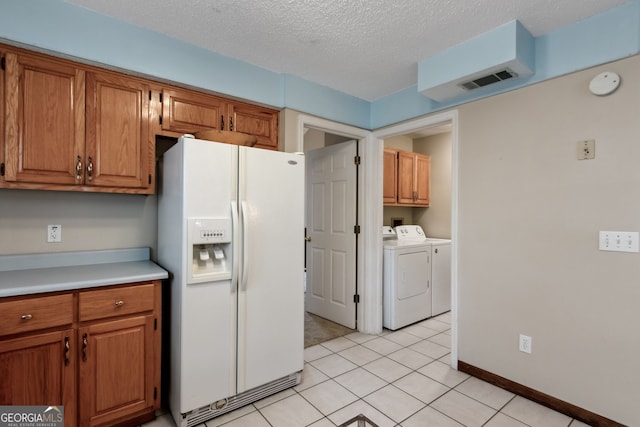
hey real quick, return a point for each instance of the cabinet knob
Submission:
(26, 317)
(119, 303)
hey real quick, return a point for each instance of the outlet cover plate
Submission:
(54, 233)
(525, 344)
(619, 241)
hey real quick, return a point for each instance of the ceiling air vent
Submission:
(489, 79)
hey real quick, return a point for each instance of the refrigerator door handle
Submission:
(236, 249)
(245, 247)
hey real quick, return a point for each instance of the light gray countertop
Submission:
(36, 273)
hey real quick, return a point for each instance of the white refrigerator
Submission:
(231, 233)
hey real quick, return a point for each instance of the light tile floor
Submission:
(396, 379)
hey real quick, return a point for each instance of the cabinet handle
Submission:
(67, 351)
(221, 122)
(84, 347)
(119, 303)
(79, 169)
(90, 169)
(230, 123)
(26, 317)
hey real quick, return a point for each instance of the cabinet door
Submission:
(118, 151)
(189, 112)
(261, 122)
(116, 378)
(406, 177)
(390, 176)
(40, 370)
(44, 120)
(421, 185)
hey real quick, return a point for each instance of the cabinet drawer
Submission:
(115, 302)
(35, 313)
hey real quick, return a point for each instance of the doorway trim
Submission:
(377, 138)
(370, 180)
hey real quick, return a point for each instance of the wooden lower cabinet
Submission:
(103, 365)
(40, 370)
(116, 370)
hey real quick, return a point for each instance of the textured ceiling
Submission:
(366, 48)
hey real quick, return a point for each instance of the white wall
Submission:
(89, 221)
(529, 215)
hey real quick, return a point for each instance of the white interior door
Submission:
(330, 220)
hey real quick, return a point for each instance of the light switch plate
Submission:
(619, 241)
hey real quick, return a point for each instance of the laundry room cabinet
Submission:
(406, 178)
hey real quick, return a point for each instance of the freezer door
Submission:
(205, 327)
(271, 294)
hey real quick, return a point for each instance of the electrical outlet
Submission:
(525, 344)
(54, 233)
(586, 149)
(619, 241)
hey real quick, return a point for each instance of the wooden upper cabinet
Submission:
(390, 187)
(413, 179)
(44, 120)
(188, 112)
(254, 120)
(422, 177)
(185, 111)
(119, 151)
(68, 127)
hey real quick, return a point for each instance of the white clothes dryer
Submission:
(406, 278)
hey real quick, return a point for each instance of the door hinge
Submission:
(160, 97)
(155, 393)
(3, 63)
(356, 298)
(149, 179)
(155, 324)
(160, 119)
(2, 169)
(356, 160)
(150, 96)
(356, 229)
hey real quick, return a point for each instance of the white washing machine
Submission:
(406, 277)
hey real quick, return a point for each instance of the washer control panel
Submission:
(410, 232)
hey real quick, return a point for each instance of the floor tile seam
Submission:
(333, 412)
(499, 409)
(302, 397)
(428, 377)
(476, 400)
(364, 347)
(510, 417)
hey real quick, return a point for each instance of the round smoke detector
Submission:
(604, 83)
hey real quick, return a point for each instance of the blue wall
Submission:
(56, 26)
